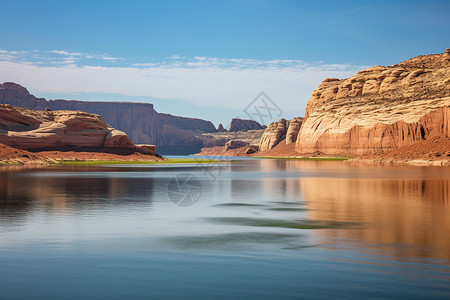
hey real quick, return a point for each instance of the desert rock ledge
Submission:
(31, 130)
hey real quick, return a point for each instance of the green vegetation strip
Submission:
(305, 158)
(4, 164)
(134, 162)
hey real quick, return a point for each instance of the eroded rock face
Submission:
(147, 149)
(139, 120)
(239, 125)
(379, 109)
(235, 144)
(29, 129)
(273, 134)
(292, 132)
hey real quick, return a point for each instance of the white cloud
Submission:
(109, 58)
(62, 52)
(204, 81)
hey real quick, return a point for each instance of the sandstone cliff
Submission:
(171, 134)
(279, 131)
(239, 125)
(274, 133)
(379, 109)
(30, 130)
(292, 132)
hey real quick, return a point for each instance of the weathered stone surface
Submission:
(147, 149)
(235, 144)
(250, 150)
(293, 129)
(239, 125)
(139, 120)
(379, 109)
(29, 129)
(273, 134)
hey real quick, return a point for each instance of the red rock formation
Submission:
(379, 109)
(239, 125)
(235, 144)
(139, 120)
(274, 133)
(292, 132)
(29, 129)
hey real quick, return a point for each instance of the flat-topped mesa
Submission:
(31, 130)
(379, 109)
(240, 125)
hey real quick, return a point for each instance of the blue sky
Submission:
(208, 59)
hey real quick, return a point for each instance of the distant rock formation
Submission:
(235, 144)
(221, 129)
(171, 134)
(240, 125)
(30, 130)
(379, 109)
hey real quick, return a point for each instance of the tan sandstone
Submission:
(379, 109)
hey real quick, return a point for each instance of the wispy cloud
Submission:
(62, 52)
(208, 81)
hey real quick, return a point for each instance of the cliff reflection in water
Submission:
(391, 207)
(22, 193)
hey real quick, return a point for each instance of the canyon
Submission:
(394, 113)
(142, 123)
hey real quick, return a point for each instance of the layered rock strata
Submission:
(379, 109)
(30, 130)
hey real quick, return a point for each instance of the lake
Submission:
(250, 228)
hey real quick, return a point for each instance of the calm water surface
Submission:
(267, 229)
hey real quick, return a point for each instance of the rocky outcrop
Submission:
(30, 130)
(221, 129)
(147, 149)
(250, 150)
(171, 134)
(379, 109)
(279, 131)
(235, 144)
(292, 132)
(273, 134)
(244, 125)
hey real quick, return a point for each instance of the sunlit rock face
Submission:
(29, 129)
(140, 121)
(279, 131)
(379, 109)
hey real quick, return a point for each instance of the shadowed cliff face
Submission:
(380, 108)
(240, 124)
(171, 134)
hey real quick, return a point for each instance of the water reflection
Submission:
(22, 193)
(400, 212)
(395, 211)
